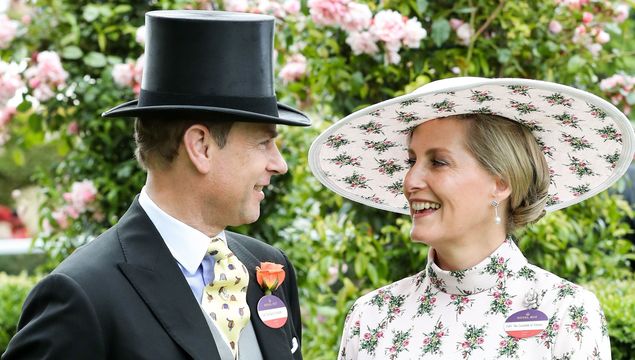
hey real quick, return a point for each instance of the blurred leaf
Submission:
(575, 63)
(72, 52)
(440, 31)
(95, 59)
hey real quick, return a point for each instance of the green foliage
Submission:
(618, 302)
(341, 250)
(13, 292)
(15, 264)
(583, 242)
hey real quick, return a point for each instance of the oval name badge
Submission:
(526, 323)
(272, 311)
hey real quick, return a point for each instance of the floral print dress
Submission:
(440, 314)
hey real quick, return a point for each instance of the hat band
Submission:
(266, 105)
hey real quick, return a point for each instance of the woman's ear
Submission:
(502, 190)
(196, 143)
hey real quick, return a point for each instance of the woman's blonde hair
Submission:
(508, 149)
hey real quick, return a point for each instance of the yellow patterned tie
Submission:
(225, 298)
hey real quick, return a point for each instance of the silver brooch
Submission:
(531, 300)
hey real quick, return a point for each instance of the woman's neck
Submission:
(454, 258)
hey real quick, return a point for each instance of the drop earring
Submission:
(497, 219)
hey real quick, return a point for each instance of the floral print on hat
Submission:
(587, 142)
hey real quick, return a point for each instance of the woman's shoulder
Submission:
(561, 292)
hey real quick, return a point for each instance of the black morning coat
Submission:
(123, 296)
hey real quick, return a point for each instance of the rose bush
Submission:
(80, 58)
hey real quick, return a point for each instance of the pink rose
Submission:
(328, 12)
(587, 17)
(10, 81)
(367, 336)
(580, 30)
(503, 343)
(81, 195)
(6, 115)
(73, 128)
(357, 17)
(140, 35)
(46, 75)
(602, 37)
(123, 74)
(426, 341)
(480, 340)
(464, 33)
(621, 13)
(236, 5)
(8, 29)
(414, 33)
(362, 43)
(392, 57)
(271, 7)
(292, 7)
(456, 23)
(60, 218)
(508, 302)
(138, 73)
(294, 69)
(465, 344)
(389, 26)
(555, 27)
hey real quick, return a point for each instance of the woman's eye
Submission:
(439, 163)
(411, 162)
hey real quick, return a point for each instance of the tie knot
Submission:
(218, 249)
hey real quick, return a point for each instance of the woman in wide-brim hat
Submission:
(476, 159)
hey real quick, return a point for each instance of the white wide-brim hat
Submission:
(587, 142)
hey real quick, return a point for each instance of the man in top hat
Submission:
(167, 281)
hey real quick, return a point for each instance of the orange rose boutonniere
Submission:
(270, 276)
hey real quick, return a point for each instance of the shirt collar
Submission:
(186, 244)
(494, 270)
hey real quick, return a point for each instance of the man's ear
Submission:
(196, 143)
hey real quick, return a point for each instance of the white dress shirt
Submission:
(187, 245)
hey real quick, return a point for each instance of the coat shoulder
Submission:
(257, 247)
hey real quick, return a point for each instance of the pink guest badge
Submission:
(526, 323)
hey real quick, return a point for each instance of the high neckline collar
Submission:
(496, 268)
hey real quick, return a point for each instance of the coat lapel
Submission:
(155, 275)
(273, 342)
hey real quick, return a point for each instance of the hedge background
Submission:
(70, 60)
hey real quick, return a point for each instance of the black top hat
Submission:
(209, 62)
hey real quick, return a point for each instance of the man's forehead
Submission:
(259, 129)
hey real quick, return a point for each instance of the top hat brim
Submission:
(286, 115)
